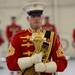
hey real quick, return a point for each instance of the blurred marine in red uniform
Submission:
(73, 35)
(1, 39)
(48, 26)
(1, 42)
(13, 28)
(20, 54)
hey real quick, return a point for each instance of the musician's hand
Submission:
(47, 67)
(40, 67)
(36, 58)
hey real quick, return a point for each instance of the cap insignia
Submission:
(35, 5)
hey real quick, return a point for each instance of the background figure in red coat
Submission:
(13, 28)
(48, 26)
(1, 39)
(73, 35)
(1, 42)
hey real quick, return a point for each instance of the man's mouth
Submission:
(37, 22)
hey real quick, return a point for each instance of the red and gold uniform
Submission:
(49, 27)
(11, 29)
(73, 35)
(21, 46)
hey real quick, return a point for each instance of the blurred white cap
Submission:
(34, 6)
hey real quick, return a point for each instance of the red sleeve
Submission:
(58, 55)
(13, 54)
(73, 35)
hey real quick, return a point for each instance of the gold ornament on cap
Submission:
(35, 5)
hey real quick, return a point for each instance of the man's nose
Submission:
(36, 17)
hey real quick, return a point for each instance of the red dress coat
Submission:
(73, 35)
(21, 46)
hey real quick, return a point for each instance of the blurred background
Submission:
(61, 14)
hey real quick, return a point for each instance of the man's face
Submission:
(35, 21)
(13, 20)
(46, 20)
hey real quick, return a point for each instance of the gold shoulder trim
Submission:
(11, 51)
(60, 51)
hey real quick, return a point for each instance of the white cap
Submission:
(34, 6)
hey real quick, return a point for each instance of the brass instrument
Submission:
(41, 45)
(38, 39)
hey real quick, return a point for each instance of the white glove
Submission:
(40, 67)
(26, 62)
(47, 67)
(36, 58)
